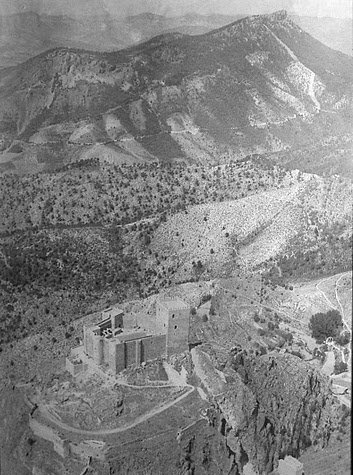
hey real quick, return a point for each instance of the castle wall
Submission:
(106, 351)
(116, 317)
(161, 317)
(75, 368)
(172, 321)
(153, 347)
(117, 321)
(138, 352)
(173, 318)
(130, 353)
(112, 356)
(98, 349)
(88, 341)
(119, 357)
(178, 330)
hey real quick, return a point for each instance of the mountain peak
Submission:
(279, 15)
(253, 22)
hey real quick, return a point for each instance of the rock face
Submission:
(274, 406)
(221, 95)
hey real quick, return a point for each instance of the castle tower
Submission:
(173, 319)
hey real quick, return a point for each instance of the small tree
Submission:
(340, 367)
(324, 325)
(343, 339)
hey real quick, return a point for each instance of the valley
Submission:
(208, 173)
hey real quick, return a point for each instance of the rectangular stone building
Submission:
(173, 319)
(109, 344)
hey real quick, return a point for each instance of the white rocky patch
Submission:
(305, 81)
(257, 58)
(289, 99)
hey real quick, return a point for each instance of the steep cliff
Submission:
(271, 406)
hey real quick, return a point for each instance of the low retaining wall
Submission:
(61, 445)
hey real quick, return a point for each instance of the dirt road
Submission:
(45, 412)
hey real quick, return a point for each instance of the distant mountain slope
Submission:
(337, 33)
(258, 85)
(24, 35)
(27, 34)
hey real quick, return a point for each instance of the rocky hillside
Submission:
(255, 86)
(247, 232)
(90, 235)
(259, 408)
(270, 406)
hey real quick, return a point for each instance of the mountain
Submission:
(166, 170)
(24, 35)
(259, 85)
(27, 34)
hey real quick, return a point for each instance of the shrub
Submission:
(206, 298)
(343, 339)
(340, 367)
(286, 335)
(270, 326)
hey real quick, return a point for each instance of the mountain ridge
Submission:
(230, 91)
(27, 33)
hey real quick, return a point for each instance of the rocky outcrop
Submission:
(273, 406)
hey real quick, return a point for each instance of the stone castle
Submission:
(115, 346)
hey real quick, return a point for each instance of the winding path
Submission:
(345, 323)
(45, 412)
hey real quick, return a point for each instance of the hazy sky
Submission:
(333, 8)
